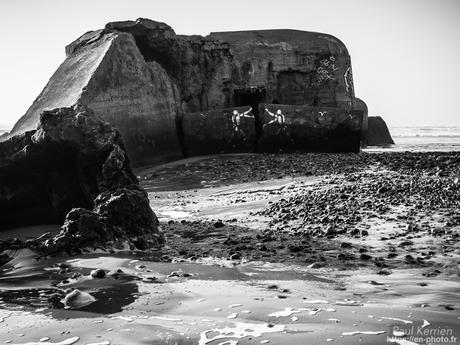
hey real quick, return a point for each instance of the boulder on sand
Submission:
(378, 132)
(74, 168)
(78, 299)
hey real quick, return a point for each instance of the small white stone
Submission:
(235, 305)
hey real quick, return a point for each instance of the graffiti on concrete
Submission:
(348, 78)
(236, 118)
(322, 113)
(325, 71)
(278, 120)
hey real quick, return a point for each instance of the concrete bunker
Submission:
(174, 95)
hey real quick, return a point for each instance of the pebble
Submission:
(98, 273)
(235, 305)
(232, 316)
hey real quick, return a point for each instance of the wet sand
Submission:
(264, 249)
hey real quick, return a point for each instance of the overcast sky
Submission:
(405, 53)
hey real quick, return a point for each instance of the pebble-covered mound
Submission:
(383, 210)
(223, 170)
(341, 204)
(248, 168)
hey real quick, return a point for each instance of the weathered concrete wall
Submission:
(291, 128)
(66, 84)
(297, 67)
(199, 67)
(137, 97)
(278, 128)
(219, 131)
(107, 72)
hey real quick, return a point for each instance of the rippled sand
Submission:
(248, 303)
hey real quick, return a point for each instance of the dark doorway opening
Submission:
(252, 97)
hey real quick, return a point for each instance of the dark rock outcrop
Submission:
(378, 132)
(74, 168)
(121, 219)
(360, 109)
(153, 85)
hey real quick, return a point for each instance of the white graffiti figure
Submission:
(278, 119)
(322, 113)
(236, 122)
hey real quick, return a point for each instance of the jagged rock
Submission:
(65, 163)
(74, 167)
(82, 229)
(170, 94)
(378, 132)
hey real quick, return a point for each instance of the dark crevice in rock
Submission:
(155, 40)
(252, 97)
(180, 133)
(151, 54)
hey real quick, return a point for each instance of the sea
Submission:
(412, 138)
(422, 139)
